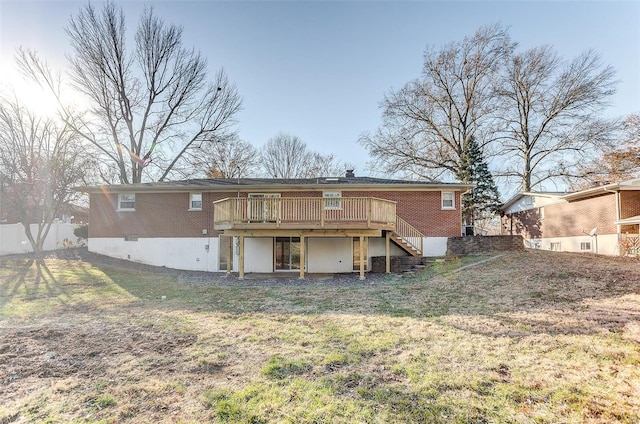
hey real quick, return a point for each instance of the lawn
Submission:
(533, 337)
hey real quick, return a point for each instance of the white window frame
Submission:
(191, 201)
(121, 201)
(335, 201)
(453, 200)
(583, 245)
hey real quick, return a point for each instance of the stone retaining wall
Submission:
(457, 246)
(398, 263)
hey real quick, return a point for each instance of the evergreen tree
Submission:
(484, 199)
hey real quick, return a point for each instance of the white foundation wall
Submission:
(434, 246)
(605, 244)
(330, 254)
(377, 248)
(13, 239)
(178, 253)
(258, 254)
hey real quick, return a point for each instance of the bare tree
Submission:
(427, 123)
(287, 156)
(149, 106)
(326, 165)
(40, 163)
(228, 158)
(550, 113)
(616, 161)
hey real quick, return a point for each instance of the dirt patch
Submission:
(86, 349)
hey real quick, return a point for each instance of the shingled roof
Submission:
(255, 183)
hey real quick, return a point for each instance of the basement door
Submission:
(287, 253)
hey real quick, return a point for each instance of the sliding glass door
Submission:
(287, 253)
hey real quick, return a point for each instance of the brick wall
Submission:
(629, 204)
(422, 209)
(565, 219)
(483, 244)
(156, 215)
(397, 263)
(166, 214)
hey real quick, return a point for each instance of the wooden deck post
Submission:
(229, 255)
(362, 257)
(241, 259)
(387, 249)
(302, 258)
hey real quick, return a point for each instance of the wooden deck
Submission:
(305, 213)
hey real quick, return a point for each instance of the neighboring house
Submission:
(264, 225)
(603, 219)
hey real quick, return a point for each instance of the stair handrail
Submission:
(408, 233)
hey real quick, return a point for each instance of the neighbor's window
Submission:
(555, 246)
(335, 202)
(126, 202)
(447, 200)
(195, 201)
(585, 246)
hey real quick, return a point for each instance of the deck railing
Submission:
(409, 234)
(304, 212)
(629, 245)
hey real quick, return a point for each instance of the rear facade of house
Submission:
(603, 220)
(320, 225)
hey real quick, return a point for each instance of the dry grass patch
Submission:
(530, 337)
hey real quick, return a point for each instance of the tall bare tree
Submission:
(40, 163)
(287, 156)
(228, 158)
(150, 105)
(427, 123)
(551, 113)
(616, 161)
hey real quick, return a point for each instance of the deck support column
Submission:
(362, 257)
(241, 259)
(302, 258)
(387, 249)
(229, 255)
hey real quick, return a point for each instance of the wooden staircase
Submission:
(407, 237)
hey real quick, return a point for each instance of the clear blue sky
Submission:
(318, 70)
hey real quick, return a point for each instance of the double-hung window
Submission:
(195, 201)
(447, 200)
(127, 202)
(334, 202)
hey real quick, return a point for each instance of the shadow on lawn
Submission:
(33, 279)
(575, 296)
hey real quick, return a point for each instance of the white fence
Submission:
(13, 239)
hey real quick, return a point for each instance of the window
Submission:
(126, 202)
(263, 207)
(447, 200)
(195, 202)
(585, 246)
(555, 246)
(334, 203)
(130, 237)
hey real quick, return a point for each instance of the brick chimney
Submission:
(349, 173)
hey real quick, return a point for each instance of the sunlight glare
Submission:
(29, 93)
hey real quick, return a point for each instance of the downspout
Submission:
(618, 226)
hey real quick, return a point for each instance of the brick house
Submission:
(603, 219)
(265, 225)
